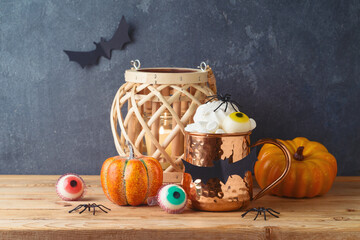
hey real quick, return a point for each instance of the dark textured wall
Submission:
(293, 65)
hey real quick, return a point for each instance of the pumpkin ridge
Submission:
(274, 173)
(259, 172)
(105, 177)
(154, 169)
(124, 182)
(266, 147)
(272, 157)
(320, 156)
(326, 174)
(148, 182)
(136, 182)
(290, 145)
(294, 186)
(308, 185)
(264, 154)
(322, 180)
(113, 182)
(303, 182)
(315, 147)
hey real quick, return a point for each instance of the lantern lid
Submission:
(166, 75)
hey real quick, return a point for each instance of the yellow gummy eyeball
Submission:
(236, 122)
(239, 117)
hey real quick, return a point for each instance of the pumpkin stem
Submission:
(299, 154)
(131, 154)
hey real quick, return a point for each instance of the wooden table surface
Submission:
(30, 209)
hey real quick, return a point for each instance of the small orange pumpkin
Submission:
(313, 168)
(130, 181)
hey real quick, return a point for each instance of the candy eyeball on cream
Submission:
(172, 198)
(70, 187)
(237, 122)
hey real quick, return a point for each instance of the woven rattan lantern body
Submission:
(150, 95)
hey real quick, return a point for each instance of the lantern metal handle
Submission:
(135, 63)
(203, 66)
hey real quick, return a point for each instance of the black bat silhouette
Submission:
(222, 169)
(103, 48)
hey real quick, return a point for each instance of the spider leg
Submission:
(218, 106)
(76, 208)
(93, 205)
(269, 209)
(264, 215)
(104, 207)
(236, 104)
(272, 214)
(85, 207)
(250, 210)
(226, 105)
(234, 107)
(259, 212)
(210, 99)
(89, 206)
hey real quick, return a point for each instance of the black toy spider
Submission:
(261, 210)
(89, 206)
(225, 99)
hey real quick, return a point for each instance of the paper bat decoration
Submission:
(222, 169)
(103, 48)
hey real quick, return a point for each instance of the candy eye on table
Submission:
(70, 187)
(172, 198)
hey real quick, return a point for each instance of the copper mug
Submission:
(202, 149)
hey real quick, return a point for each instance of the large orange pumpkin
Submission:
(313, 168)
(130, 180)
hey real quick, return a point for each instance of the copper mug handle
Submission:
(287, 167)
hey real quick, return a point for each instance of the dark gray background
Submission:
(294, 66)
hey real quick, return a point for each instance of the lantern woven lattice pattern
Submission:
(150, 94)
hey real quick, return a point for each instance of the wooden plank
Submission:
(30, 209)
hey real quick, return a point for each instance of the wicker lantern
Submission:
(160, 102)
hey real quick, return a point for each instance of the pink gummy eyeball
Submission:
(70, 187)
(172, 198)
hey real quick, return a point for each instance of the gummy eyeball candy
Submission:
(238, 122)
(171, 198)
(70, 187)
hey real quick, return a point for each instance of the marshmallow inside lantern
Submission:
(210, 118)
